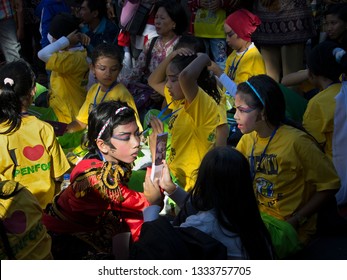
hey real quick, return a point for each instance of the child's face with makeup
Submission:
(126, 144)
(106, 70)
(246, 115)
(232, 39)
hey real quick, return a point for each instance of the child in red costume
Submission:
(98, 205)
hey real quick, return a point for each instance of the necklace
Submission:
(255, 167)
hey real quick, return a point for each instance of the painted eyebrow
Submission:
(127, 132)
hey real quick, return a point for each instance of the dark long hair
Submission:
(272, 96)
(12, 97)
(206, 81)
(224, 184)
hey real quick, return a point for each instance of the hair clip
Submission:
(108, 121)
(120, 110)
(8, 81)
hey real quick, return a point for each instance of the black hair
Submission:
(206, 80)
(338, 9)
(189, 41)
(107, 50)
(321, 61)
(101, 113)
(224, 184)
(63, 24)
(13, 97)
(270, 93)
(176, 12)
(273, 98)
(99, 6)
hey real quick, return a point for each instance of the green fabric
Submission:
(72, 141)
(284, 237)
(39, 90)
(42, 113)
(136, 180)
(295, 104)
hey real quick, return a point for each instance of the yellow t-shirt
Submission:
(68, 82)
(193, 132)
(240, 68)
(118, 93)
(292, 170)
(33, 157)
(318, 118)
(21, 215)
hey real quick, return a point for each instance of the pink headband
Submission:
(108, 121)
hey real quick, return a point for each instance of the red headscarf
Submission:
(243, 23)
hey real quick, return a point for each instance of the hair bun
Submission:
(8, 81)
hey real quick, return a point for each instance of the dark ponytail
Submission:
(17, 81)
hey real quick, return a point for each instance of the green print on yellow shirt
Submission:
(32, 169)
(29, 237)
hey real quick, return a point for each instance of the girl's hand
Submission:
(183, 52)
(152, 192)
(165, 180)
(78, 37)
(214, 67)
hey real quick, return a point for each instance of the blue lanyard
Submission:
(233, 67)
(103, 98)
(159, 116)
(254, 169)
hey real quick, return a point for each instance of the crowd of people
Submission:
(255, 165)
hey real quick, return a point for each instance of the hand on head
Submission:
(183, 52)
(78, 37)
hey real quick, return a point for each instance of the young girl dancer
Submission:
(97, 204)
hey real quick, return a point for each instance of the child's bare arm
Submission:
(189, 76)
(296, 78)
